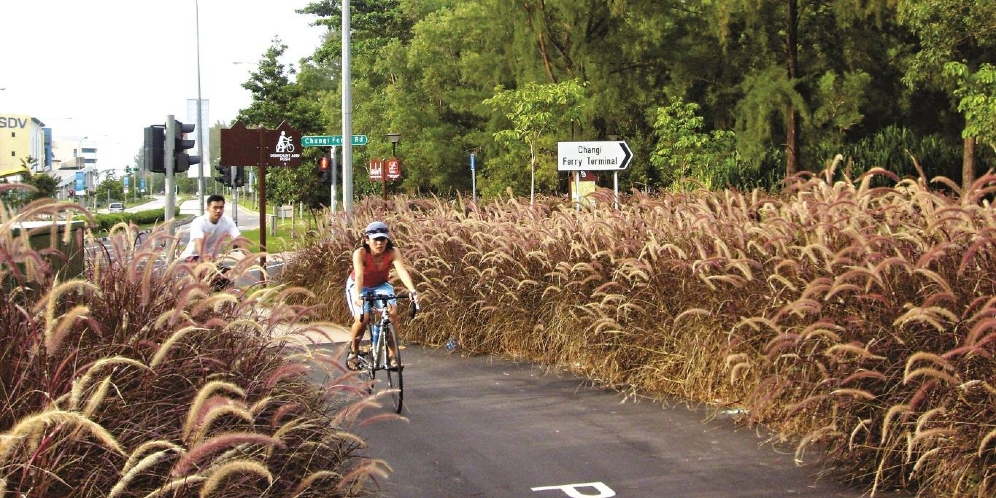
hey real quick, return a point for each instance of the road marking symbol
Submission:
(571, 490)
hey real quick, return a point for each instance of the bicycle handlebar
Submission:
(413, 297)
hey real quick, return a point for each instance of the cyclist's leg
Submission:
(360, 320)
(220, 281)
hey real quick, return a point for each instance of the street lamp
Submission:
(200, 124)
(394, 138)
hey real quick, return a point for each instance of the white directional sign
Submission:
(593, 156)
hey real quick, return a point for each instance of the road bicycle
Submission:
(382, 336)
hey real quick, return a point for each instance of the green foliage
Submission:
(894, 149)
(536, 111)
(276, 99)
(109, 190)
(685, 154)
(977, 94)
(46, 187)
(837, 106)
(948, 31)
(767, 95)
(148, 218)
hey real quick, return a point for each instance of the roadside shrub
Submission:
(137, 380)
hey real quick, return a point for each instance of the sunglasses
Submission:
(376, 231)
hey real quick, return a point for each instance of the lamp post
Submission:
(200, 124)
(394, 138)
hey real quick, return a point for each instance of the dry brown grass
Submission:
(856, 318)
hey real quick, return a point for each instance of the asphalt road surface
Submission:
(483, 427)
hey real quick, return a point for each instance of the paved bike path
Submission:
(483, 426)
(489, 427)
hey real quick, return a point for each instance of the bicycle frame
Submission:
(378, 304)
(378, 347)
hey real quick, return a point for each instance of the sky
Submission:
(106, 69)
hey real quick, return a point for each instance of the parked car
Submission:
(116, 207)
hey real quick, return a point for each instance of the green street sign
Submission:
(330, 140)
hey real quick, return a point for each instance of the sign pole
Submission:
(615, 187)
(261, 186)
(577, 190)
(383, 180)
(473, 177)
(335, 174)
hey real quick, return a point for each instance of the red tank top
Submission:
(372, 275)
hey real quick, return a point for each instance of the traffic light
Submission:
(325, 170)
(240, 176)
(224, 175)
(181, 160)
(155, 144)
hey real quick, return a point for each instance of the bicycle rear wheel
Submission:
(395, 378)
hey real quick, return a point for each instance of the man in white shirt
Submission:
(208, 231)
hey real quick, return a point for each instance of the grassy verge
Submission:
(291, 235)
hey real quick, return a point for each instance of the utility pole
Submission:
(347, 116)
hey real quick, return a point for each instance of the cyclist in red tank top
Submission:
(374, 274)
(371, 274)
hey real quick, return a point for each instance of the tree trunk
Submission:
(968, 163)
(792, 60)
(532, 173)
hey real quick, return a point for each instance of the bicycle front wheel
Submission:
(394, 374)
(371, 358)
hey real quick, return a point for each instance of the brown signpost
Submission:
(393, 168)
(382, 170)
(241, 146)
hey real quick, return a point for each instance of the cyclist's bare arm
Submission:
(402, 268)
(358, 276)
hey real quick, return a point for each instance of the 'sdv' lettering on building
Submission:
(12, 122)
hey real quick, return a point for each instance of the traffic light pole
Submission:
(168, 147)
(235, 205)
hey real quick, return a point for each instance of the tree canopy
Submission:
(722, 92)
